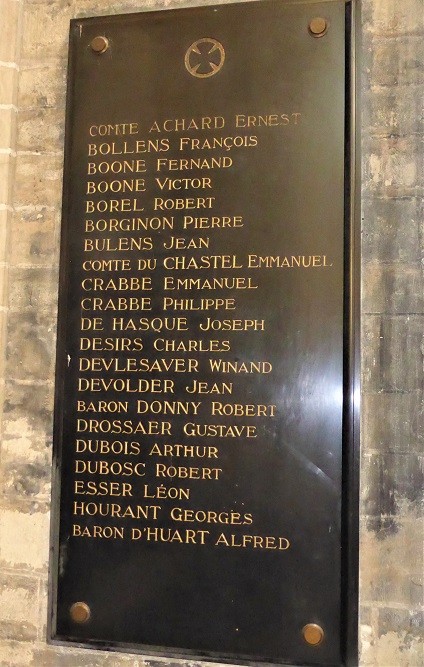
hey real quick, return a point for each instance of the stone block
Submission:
(392, 360)
(7, 128)
(56, 656)
(390, 482)
(24, 539)
(94, 7)
(28, 413)
(41, 130)
(15, 653)
(391, 650)
(3, 331)
(32, 289)
(30, 351)
(6, 162)
(18, 607)
(392, 571)
(46, 28)
(397, 61)
(38, 181)
(4, 247)
(391, 230)
(8, 77)
(391, 17)
(26, 469)
(393, 111)
(393, 422)
(392, 167)
(42, 84)
(84, 8)
(392, 288)
(365, 615)
(10, 10)
(34, 242)
(400, 619)
(39, 213)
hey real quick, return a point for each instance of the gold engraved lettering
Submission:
(219, 430)
(117, 129)
(171, 492)
(111, 344)
(212, 143)
(183, 124)
(105, 532)
(187, 164)
(242, 409)
(119, 244)
(183, 472)
(168, 407)
(96, 467)
(156, 324)
(232, 282)
(214, 222)
(82, 488)
(181, 243)
(182, 183)
(100, 265)
(95, 323)
(187, 262)
(120, 303)
(114, 364)
(102, 406)
(129, 147)
(169, 303)
(253, 542)
(170, 535)
(173, 345)
(210, 516)
(184, 451)
(113, 205)
(125, 427)
(197, 387)
(269, 120)
(146, 264)
(136, 386)
(117, 185)
(221, 366)
(104, 447)
(129, 224)
(116, 511)
(187, 203)
(117, 167)
(117, 284)
(232, 325)
(287, 262)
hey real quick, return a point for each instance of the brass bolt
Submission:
(80, 612)
(99, 44)
(313, 634)
(318, 26)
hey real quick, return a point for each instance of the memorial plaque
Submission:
(204, 449)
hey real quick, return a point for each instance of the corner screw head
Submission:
(318, 27)
(313, 634)
(99, 44)
(80, 612)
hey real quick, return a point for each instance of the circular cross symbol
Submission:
(204, 58)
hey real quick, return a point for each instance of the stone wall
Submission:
(392, 352)
(33, 53)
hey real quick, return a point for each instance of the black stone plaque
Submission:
(204, 392)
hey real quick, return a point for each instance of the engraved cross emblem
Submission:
(204, 58)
